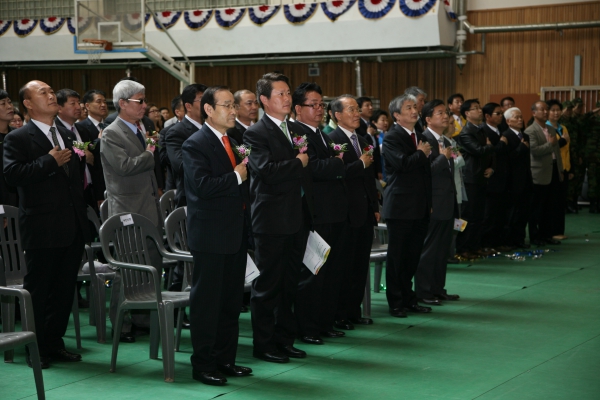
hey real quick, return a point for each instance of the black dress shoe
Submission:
(311, 339)
(272, 356)
(64, 355)
(125, 337)
(44, 362)
(431, 301)
(361, 321)
(552, 241)
(291, 351)
(214, 378)
(446, 296)
(344, 324)
(398, 313)
(333, 334)
(185, 324)
(244, 309)
(418, 309)
(234, 370)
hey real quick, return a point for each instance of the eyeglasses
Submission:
(314, 106)
(353, 110)
(152, 111)
(230, 107)
(497, 113)
(139, 101)
(440, 113)
(476, 108)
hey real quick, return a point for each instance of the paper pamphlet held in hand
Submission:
(317, 251)
(252, 271)
(459, 224)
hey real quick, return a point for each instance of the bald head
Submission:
(39, 100)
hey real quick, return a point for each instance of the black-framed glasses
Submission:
(315, 106)
(139, 101)
(230, 107)
(497, 113)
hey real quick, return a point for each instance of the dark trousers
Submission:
(473, 211)
(317, 297)
(558, 203)
(279, 260)
(51, 280)
(518, 216)
(430, 278)
(540, 221)
(405, 242)
(494, 220)
(218, 284)
(355, 265)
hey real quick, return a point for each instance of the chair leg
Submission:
(166, 311)
(179, 325)
(154, 334)
(99, 307)
(116, 337)
(92, 300)
(75, 311)
(377, 277)
(8, 324)
(366, 306)
(34, 355)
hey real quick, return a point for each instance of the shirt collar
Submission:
(435, 135)
(196, 123)
(276, 121)
(311, 127)
(407, 130)
(494, 129)
(43, 127)
(347, 132)
(515, 131)
(131, 126)
(244, 125)
(65, 123)
(94, 121)
(216, 132)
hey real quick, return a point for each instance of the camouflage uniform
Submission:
(592, 159)
(576, 147)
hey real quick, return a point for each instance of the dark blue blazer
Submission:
(442, 180)
(177, 134)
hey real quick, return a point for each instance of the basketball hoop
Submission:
(95, 49)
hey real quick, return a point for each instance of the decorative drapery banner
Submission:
(4, 25)
(133, 22)
(24, 27)
(196, 19)
(51, 25)
(229, 17)
(167, 18)
(416, 8)
(261, 14)
(70, 25)
(299, 13)
(449, 11)
(333, 9)
(83, 23)
(375, 9)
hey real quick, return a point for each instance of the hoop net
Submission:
(94, 52)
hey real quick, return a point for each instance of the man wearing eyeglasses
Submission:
(247, 111)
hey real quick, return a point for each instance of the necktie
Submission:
(355, 144)
(322, 138)
(285, 132)
(102, 125)
(140, 135)
(414, 138)
(229, 151)
(55, 141)
(520, 136)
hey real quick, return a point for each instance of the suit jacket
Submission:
(373, 141)
(237, 132)
(541, 154)
(277, 179)
(442, 180)
(178, 134)
(129, 173)
(52, 210)
(497, 182)
(408, 194)
(477, 155)
(215, 208)
(360, 184)
(328, 173)
(164, 159)
(519, 166)
(8, 193)
(420, 125)
(96, 171)
(84, 137)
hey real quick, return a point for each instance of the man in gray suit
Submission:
(545, 166)
(430, 278)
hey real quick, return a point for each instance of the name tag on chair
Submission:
(127, 219)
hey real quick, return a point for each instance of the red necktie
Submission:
(414, 138)
(229, 151)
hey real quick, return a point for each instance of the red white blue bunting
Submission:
(167, 18)
(133, 22)
(4, 25)
(449, 11)
(24, 27)
(416, 8)
(51, 25)
(375, 9)
(229, 17)
(299, 13)
(70, 25)
(82, 24)
(196, 19)
(334, 9)
(261, 14)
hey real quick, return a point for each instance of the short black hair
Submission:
(209, 98)
(363, 99)
(428, 108)
(467, 106)
(88, 96)
(163, 108)
(3, 94)
(507, 98)
(377, 114)
(175, 103)
(534, 105)
(489, 108)
(22, 96)
(299, 95)
(264, 86)
(189, 93)
(454, 96)
(63, 95)
(551, 102)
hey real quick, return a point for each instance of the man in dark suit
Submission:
(477, 150)
(247, 111)
(178, 108)
(421, 96)
(8, 194)
(519, 182)
(318, 295)
(368, 132)
(430, 279)
(39, 160)
(217, 194)
(407, 204)
(180, 132)
(363, 212)
(496, 201)
(281, 196)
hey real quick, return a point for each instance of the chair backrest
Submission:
(27, 319)
(176, 232)
(167, 203)
(129, 233)
(104, 210)
(11, 251)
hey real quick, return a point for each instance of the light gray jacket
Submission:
(541, 154)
